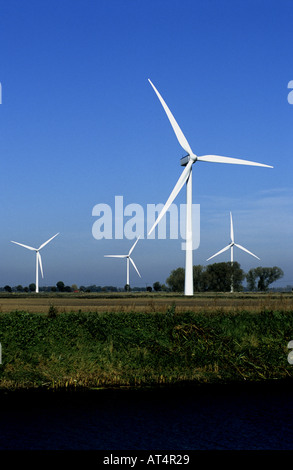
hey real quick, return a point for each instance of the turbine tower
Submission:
(231, 246)
(128, 258)
(38, 258)
(186, 177)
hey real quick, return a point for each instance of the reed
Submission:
(133, 349)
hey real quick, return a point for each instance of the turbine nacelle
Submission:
(184, 160)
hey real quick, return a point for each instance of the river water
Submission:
(209, 417)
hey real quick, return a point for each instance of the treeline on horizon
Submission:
(61, 287)
(219, 277)
(215, 277)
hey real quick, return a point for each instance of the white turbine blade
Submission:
(231, 228)
(133, 246)
(115, 256)
(235, 161)
(43, 244)
(184, 176)
(25, 246)
(244, 249)
(179, 134)
(219, 252)
(134, 266)
(40, 263)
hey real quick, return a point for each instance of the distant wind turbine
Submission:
(128, 259)
(38, 258)
(231, 246)
(186, 177)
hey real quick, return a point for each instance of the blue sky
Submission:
(80, 124)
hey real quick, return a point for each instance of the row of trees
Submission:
(60, 287)
(217, 277)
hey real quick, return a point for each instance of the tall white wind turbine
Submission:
(231, 246)
(186, 177)
(38, 258)
(128, 258)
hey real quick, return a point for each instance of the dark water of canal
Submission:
(225, 417)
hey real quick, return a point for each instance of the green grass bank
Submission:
(92, 350)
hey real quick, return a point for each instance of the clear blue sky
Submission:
(80, 124)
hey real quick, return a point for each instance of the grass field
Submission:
(99, 340)
(145, 302)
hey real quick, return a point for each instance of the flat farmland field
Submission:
(120, 302)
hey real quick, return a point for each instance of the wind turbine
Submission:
(38, 258)
(128, 258)
(186, 177)
(231, 246)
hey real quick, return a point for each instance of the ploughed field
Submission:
(144, 302)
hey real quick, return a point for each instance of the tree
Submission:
(250, 278)
(199, 280)
(164, 288)
(215, 277)
(176, 280)
(219, 276)
(60, 286)
(263, 277)
(19, 288)
(157, 286)
(127, 288)
(32, 287)
(7, 289)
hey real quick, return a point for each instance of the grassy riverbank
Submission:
(79, 349)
